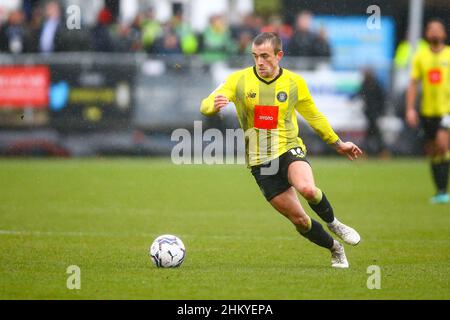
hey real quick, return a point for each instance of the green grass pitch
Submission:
(102, 215)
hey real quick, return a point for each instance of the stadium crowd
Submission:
(44, 30)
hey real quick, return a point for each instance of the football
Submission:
(167, 251)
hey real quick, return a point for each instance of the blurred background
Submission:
(116, 77)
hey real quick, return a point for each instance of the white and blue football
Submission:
(167, 251)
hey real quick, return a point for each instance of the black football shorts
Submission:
(273, 182)
(430, 126)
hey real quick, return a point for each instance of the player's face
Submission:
(266, 61)
(435, 33)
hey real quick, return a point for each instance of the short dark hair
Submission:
(436, 20)
(271, 37)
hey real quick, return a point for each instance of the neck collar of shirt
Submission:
(265, 81)
(440, 49)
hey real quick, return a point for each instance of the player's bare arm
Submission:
(412, 118)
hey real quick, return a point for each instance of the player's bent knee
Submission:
(308, 192)
(301, 222)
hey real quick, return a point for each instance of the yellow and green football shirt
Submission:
(266, 112)
(433, 69)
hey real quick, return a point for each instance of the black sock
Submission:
(318, 235)
(440, 175)
(323, 209)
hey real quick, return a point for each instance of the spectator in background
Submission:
(284, 31)
(372, 94)
(168, 43)
(34, 26)
(126, 38)
(252, 23)
(28, 8)
(14, 36)
(136, 34)
(244, 33)
(186, 36)
(321, 45)
(248, 26)
(216, 40)
(189, 41)
(51, 28)
(101, 37)
(302, 42)
(257, 22)
(305, 42)
(50, 33)
(244, 43)
(150, 30)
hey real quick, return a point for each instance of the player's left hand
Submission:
(351, 150)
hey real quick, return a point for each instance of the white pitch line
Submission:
(183, 236)
(71, 233)
(49, 233)
(145, 235)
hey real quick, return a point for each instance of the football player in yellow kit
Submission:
(431, 68)
(267, 97)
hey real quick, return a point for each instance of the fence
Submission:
(90, 103)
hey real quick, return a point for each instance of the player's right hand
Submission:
(220, 101)
(412, 119)
(351, 150)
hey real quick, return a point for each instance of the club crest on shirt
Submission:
(282, 96)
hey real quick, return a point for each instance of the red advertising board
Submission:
(24, 86)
